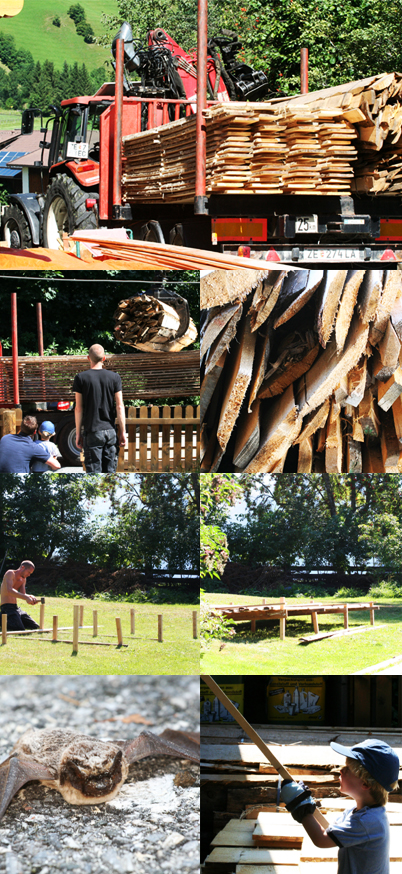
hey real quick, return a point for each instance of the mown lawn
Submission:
(178, 654)
(263, 652)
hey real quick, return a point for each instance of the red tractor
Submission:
(79, 148)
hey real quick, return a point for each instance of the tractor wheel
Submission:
(15, 229)
(65, 211)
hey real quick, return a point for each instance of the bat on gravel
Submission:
(83, 769)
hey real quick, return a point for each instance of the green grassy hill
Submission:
(32, 29)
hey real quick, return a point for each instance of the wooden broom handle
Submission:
(256, 739)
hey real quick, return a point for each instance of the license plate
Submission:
(77, 150)
(331, 254)
(306, 224)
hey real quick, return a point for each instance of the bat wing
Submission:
(15, 771)
(169, 743)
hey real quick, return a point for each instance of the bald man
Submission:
(98, 402)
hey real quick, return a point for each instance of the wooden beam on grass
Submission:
(323, 635)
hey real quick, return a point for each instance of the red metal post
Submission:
(304, 71)
(14, 347)
(39, 327)
(201, 133)
(118, 112)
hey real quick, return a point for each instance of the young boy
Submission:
(45, 431)
(362, 831)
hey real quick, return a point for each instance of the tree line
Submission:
(308, 519)
(27, 83)
(140, 521)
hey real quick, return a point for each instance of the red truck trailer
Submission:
(83, 144)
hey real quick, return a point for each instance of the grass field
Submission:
(32, 29)
(178, 654)
(263, 652)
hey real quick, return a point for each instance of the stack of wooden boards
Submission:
(341, 139)
(302, 370)
(151, 325)
(250, 835)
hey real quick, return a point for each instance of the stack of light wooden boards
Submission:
(251, 835)
(302, 372)
(151, 325)
(341, 139)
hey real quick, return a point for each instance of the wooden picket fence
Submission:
(162, 439)
(159, 438)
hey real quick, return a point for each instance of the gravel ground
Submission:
(152, 825)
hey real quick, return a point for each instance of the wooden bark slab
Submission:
(280, 427)
(369, 296)
(222, 342)
(329, 368)
(333, 285)
(305, 456)
(239, 377)
(313, 281)
(347, 305)
(314, 421)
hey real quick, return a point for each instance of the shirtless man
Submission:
(13, 587)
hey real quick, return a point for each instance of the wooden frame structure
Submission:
(283, 611)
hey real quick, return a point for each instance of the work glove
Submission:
(298, 799)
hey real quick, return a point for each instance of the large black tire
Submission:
(15, 229)
(65, 211)
(67, 445)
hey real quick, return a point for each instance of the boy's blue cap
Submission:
(376, 757)
(47, 428)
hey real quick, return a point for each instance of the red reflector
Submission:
(272, 256)
(388, 255)
(244, 251)
(90, 202)
(85, 166)
(63, 405)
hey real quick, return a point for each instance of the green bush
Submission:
(56, 21)
(386, 589)
(214, 627)
(345, 592)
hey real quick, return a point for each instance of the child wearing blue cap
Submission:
(46, 430)
(362, 831)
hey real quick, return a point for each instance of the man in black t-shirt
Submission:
(98, 401)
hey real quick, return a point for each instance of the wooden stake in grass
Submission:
(195, 624)
(160, 628)
(346, 616)
(76, 620)
(81, 615)
(3, 628)
(132, 621)
(94, 623)
(42, 613)
(55, 627)
(282, 621)
(119, 631)
(372, 613)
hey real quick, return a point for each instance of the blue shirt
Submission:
(17, 451)
(363, 840)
